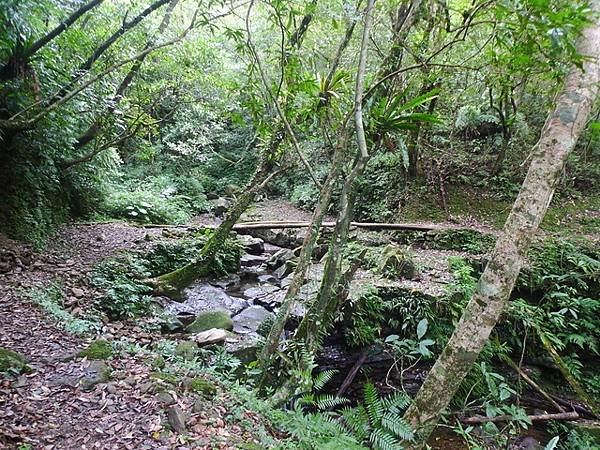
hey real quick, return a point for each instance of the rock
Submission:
(272, 300)
(164, 398)
(10, 360)
(396, 262)
(280, 258)
(252, 260)
(250, 319)
(229, 282)
(271, 249)
(211, 319)
(199, 405)
(212, 336)
(77, 292)
(267, 279)
(245, 348)
(257, 292)
(99, 349)
(111, 388)
(186, 350)
(277, 237)
(527, 443)
(253, 245)
(284, 270)
(172, 325)
(201, 386)
(205, 297)
(220, 206)
(176, 418)
(97, 372)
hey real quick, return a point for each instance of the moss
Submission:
(10, 360)
(187, 350)
(211, 319)
(203, 387)
(99, 349)
(165, 377)
(157, 362)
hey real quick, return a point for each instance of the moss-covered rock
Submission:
(99, 349)
(97, 372)
(211, 319)
(396, 262)
(187, 350)
(202, 387)
(12, 360)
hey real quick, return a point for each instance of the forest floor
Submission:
(68, 402)
(49, 408)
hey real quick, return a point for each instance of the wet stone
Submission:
(252, 260)
(203, 297)
(249, 320)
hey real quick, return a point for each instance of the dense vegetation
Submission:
(166, 112)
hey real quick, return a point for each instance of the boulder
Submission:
(220, 206)
(205, 297)
(248, 260)
(211, 319)
(245, 348)
(209, 337)
(249, 320)
(277, 237)
(253, 245)
(97, 372)
(201, 387)
(280, 258)
(257, 292)
(176, 418)
(284, 270)
(228, 282)
(98, 349)
(396, 262)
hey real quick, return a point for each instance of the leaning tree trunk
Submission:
(304, 260)
(172, 283)
(558, 137)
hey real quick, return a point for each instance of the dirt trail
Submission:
(47, 409)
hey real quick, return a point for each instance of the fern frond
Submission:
(323, 378)
(396, 402)
(375, 409)
(398, 427)
(382, 440)
(328, 401)
(357, 422)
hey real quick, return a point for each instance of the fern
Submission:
(379, 421)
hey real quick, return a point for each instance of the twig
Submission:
(540, 417)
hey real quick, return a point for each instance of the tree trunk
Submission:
(315, 318)
(172, 283)
(304, 261)
(558, 137)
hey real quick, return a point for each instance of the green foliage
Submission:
(203, 387)
(167, 256)
(363, 318)
(12, 362)
(123, 296)
(463, 240)
(50, 298)
(379, 421)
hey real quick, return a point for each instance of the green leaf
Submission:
(422, 328)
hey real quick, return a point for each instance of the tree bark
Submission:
(558, 137)
(314, 319)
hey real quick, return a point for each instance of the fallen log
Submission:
(535, 418)
(366, 225)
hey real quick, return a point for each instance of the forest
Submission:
(300, 224)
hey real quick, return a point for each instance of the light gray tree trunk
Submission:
(558, 137)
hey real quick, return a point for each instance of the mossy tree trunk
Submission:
(171, 283)
(304, 260)
(558, 137)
